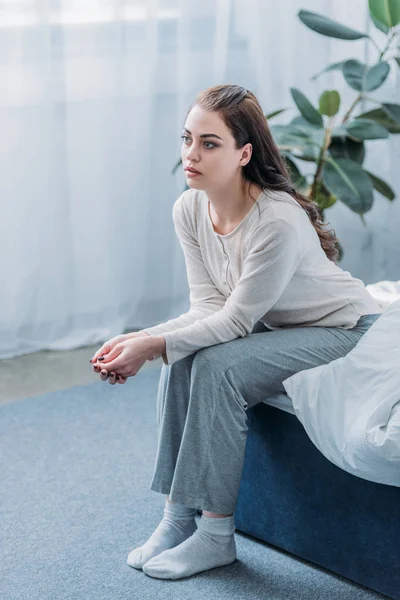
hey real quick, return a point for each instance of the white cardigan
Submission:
(271, 268)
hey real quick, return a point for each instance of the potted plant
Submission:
(334, 143)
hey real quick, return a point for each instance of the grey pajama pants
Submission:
(202, 401)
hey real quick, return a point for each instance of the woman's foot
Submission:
(177, 524)
(211, 545)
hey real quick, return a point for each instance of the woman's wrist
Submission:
(158, 346)
(134, 334)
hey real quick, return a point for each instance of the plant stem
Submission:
(360, 95)
(391, 35)
(376, 45)
(352, 107)
(321, 159)
(390, 38)
(372, 100)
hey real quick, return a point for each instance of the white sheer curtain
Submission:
(93, 97)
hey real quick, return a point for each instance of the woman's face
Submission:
(214, 156)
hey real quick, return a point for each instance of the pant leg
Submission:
(173, 397)
(203, 402)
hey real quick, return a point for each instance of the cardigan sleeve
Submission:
(205, 298)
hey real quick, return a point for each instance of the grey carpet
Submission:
(76, 467)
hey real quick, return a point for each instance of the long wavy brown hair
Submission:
(242, 113)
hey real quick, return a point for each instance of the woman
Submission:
(267, 300)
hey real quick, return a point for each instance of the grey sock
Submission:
(212, 545)
(177, 524)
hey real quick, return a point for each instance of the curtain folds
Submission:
(93, 98)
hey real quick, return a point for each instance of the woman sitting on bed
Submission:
(267, 300)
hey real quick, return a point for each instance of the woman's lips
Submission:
(192, 173)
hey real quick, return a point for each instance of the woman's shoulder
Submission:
(279, 202)
(278, 205)
(281, 217)
(186, 209)
(188, 201)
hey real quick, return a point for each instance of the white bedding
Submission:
(385, 293)
(350, 407)
(281, 401)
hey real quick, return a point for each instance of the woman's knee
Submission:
(213, 359)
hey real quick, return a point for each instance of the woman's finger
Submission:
(104, 375)
(96, 355)
(112, 376)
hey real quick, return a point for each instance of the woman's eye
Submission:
(185, 137)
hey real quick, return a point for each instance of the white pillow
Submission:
(385, 292)
(350, 407)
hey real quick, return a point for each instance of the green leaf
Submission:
(306, 108)
(291, 138)
(347, 148)
(362, 78)
(309, 149)
(325, 26)
(312, 132)
(378, 24)
(325, 200)
(376, 75)
(299, 120)
(350, 183)
(302, 184)
(293, 131)
(381, 116)
(339, 132)
(333, 67)
(293, 135)
(299, 181)
(307, 154)
(385, 11)
(381, 186)
(289, 129)
(329, 103)
(393, 110)
(366, 129)
(275, 113)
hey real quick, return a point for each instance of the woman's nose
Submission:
(192, 153)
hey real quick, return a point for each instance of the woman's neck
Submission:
(229, 206)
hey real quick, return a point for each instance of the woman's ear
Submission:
(246, 154)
